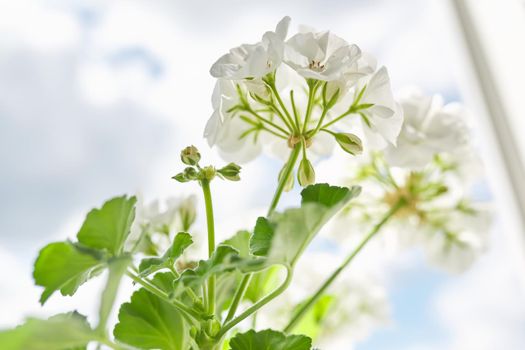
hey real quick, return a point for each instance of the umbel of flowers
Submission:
(296, 97)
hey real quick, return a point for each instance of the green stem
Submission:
(321, 119)
(350, 111)
(211, 241)
(294, 109)
(284, 179)
(161, 294)
(269, 122)
(285, 110)
(278, 291)
(239, 294)
(304, 308)
(312, 87)
(278, 192)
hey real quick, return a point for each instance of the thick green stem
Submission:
(239, 294)
(292, 159)
(278, 291)
(211, 241)
(304, 308)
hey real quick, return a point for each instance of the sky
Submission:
(97, 99)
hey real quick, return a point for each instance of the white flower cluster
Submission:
(310, 89)
(432, 168)
(349, 311)
(156, 223)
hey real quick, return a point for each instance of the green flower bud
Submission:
(212, 327)
(191, 173)
(230, 172)
(208, 173)
(190, 155)
(288, 186)
(305, 173)
(180, 177)
(350, 143)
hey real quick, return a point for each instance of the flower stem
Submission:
(252, 309)
(264, 120)
(288, 117)
(304, 308)
(284, 179)
(162, 295)
(239, 294)
(312, 87)
(211, 241)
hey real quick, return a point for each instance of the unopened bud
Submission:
(288, 186)
(305, 173)
(349, 143)
(208, 173)
(180, 177)
(230, 172)
(190, 155)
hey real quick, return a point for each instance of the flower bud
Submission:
(208, 173)
(190, 155)
(212, 327)
(191, 173)
(305, 173)
(288, 186)
(349, 143)
(180, 177)
(230, 172)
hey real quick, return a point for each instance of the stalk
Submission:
(287, 172)
(211, 242)
(301, 312)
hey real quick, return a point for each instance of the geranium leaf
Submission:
(284, 236)
(149, 265)
(108, 227)
(241, 242)
(117, 268)
(60, 332)
(269, 339)
(261, 239)
(327, 195)
(63, 266)
(148, 322)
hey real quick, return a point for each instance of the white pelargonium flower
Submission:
(429, 128)
(369, 108)
(228, 132)
(322, 56)
(253, 60)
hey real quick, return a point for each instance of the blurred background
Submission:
(97, 98)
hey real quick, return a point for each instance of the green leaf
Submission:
(261, 239)
(222, 260)
(109, 226)
(269, 339)
(148, 322)
(240, 241)
(311, 323)
(63, 266)
(327, 195)
(61, 332)
(117, 268)
(262, 283)
(149, 265)
(295, 228)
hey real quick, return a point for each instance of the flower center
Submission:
(316, 65)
